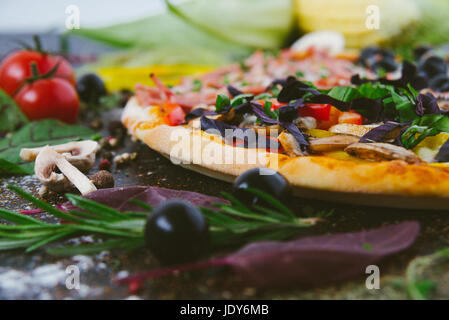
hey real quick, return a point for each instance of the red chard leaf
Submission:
(306, 261)
(119, 198)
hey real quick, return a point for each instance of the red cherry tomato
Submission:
(176, 116)
(350, 117)
(52, 98)
(320, 112)
(16, 67)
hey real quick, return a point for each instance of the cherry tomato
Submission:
(334, 114)
(16, 67)
(54, 98)
(176, 116)
(350, 117)
(320, 112)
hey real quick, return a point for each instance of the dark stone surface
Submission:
(40, 276)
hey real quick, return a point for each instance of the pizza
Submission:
(345, 127)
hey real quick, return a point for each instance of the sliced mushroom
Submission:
(333, 143)
(290, 145)
(382, 152)
(352, 129)
(47, 160)
(81, 154)
(305, 123)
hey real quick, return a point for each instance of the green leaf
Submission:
(96, 247)
(241, 98)
(345, 94)
(221, 102)
(45, 241)
(11, 117)
(19, 218)
(9, 168)
(37, 134)
(8, 244)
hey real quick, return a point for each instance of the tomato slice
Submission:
(333, 119)
(350, 117)
(176, 116)
(320, 112)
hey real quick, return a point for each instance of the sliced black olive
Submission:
(176, 232)
(386, 63)
(90, 88)
(419, 51)
(267, 180)
(439, 83)
(368, 56)
(432, 66)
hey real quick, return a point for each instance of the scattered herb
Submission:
(197, 85)
(230, 223)
(221, 102)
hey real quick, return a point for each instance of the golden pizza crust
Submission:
(388, 183)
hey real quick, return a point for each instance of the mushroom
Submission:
(382, 152)
(47, 160)
(333, 143)
(81, 154)
(290, 145)
(352, 129)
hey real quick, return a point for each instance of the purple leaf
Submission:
(379, 133)
(307, 261)
(443, 153)
(233, 91)
(118, 198)
(427, 104)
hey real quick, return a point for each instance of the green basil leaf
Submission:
(10, 115)
(345, 94)
(37, 134)
(241, 98)
(221, 102)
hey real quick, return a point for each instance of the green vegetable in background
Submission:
(10, 115)
(203, 32)
(36, 134)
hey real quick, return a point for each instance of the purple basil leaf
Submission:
(118, 198)
(257, 110)
(369, 108)
(443, 153)
(234, 91)
(427, 104)
(379, 133)
(294, 130)
(199, 112)
(295, 89)
(320, 260)
(238, 133)
(307, 261)
(289, 112)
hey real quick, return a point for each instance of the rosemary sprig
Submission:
(230, 224)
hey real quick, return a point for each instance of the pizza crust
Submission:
(388, 183)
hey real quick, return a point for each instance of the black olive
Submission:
(420, 81)
(386, 63)
(432, 66)
(369, 55)
(439, 83)
(90, 88)
(267, 180)
(176, 232)
(419, 51)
